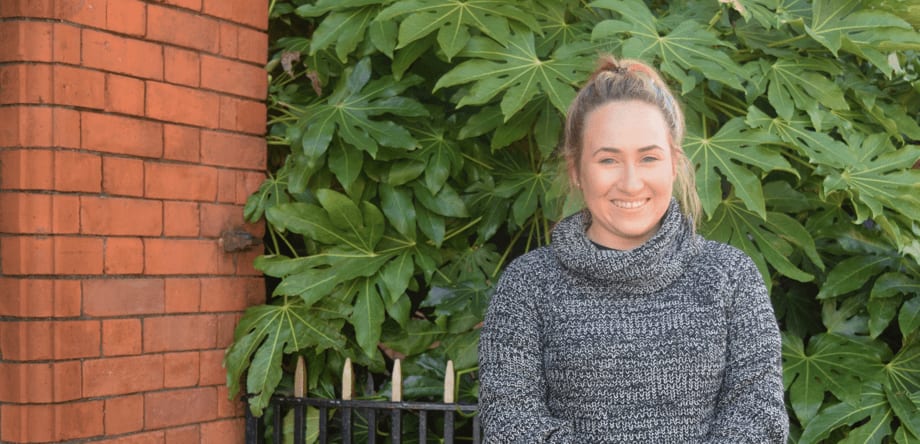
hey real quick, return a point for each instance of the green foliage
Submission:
(413, 147)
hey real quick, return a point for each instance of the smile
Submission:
(629, 204)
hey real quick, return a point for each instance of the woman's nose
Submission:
(630, 181)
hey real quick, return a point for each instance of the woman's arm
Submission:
(512, 387)
(750, 407)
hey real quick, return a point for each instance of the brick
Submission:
(68, 298)
(79, 420)
(194, 5)
(67, 381)
(124, 95)
(124, 414)
(66, 124)
(224, 294)
(23, 8)
(178, 104)
(27, 126)
(79, 87)
(234, 77)
(27, 423)
(67, 44)
(226, 325)
(199, 405)
(78, 255)
(182, 66)
(84, 12)
(26, 383)
(247, 184)
(246, 12)
(122, 176)
(253, 46)
(216, 218)
(185, 182)
(155, 437)
(39, 298)
(25, 213)
(127, 17)
(181, 143)
(76, 171)
(122, 135)
(26, 298)
(226, 186)
(180, 369)
(228, 430)
(182, 295)
(233, 150)
(180, 219)
(182, 28)
(27, 255)
(109, 52)
(117, 216)
(24, 83)
(212, 369)
(22, 169)
(184, 435)
(242, 115)
(123, 297)
(65, 214)
(77, 339)
(122, 375)
(245, 261)
(121, 337)
(123, 255)
(229, 39)
(25, 41)
(228, 407)
(185, 257)
(179, 333)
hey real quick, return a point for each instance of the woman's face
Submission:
(626, 172)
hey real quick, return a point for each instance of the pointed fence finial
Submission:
(300, 378)
(348, 381)
(396, 382)
(449, 383)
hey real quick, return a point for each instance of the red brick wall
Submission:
(131, 133)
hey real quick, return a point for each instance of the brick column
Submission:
(131, 134)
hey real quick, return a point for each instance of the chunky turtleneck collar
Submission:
(648, 268)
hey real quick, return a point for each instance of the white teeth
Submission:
(629, 205)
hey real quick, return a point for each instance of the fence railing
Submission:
(368, 417)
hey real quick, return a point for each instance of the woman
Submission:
(629, 327)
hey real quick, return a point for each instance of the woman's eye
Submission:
(607, 161)
(649, 159)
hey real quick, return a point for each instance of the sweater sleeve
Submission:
(750, 408)
(512, 388)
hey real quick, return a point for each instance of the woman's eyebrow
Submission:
(615, 150)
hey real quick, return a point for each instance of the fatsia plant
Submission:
(413, 150)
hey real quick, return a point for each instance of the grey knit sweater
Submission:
(672, 342)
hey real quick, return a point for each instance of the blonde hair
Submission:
(622, 80)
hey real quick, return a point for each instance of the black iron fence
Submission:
(301, 420)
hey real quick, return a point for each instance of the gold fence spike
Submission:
(300, 378)
(449, 383)
(348, 381)
(396, 382)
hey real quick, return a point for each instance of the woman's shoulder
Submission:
(534, 266)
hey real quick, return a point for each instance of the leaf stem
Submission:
(463, 228)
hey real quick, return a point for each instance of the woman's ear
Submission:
(572, 170)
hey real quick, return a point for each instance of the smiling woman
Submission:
(630, 327)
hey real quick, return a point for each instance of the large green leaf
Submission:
(345, 28)
(799, 83)
(851, 274)
(347, 113)
(768, 241)
(452, 19)
(872, 404)
(517, 72)
(902, 373)
(683, 52)
(831, 362)
(844, 24)
(368, 316)
(439, 152)
(263, 335)
(731, 152)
